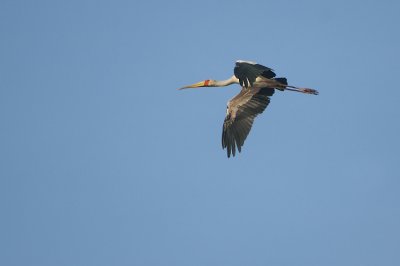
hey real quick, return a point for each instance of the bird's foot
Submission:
(310, 91)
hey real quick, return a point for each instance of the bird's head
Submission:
(204, 83)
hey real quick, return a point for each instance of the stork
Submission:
(258, 84)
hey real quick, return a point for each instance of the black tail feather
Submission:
(281, 80)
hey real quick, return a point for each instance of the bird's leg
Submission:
(303, 90)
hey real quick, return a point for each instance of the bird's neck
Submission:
(226, 82)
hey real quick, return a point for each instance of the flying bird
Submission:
(258, 83)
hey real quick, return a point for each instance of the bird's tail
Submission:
(282, 83)
(281, 80)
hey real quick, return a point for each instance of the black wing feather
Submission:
(241, 112)
(247, 73)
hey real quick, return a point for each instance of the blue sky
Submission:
(104, 162)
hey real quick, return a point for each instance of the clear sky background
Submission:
(104, 162)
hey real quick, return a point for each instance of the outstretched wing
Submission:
(240, 114)
(247, 72)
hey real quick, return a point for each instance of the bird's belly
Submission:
(264, 82)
